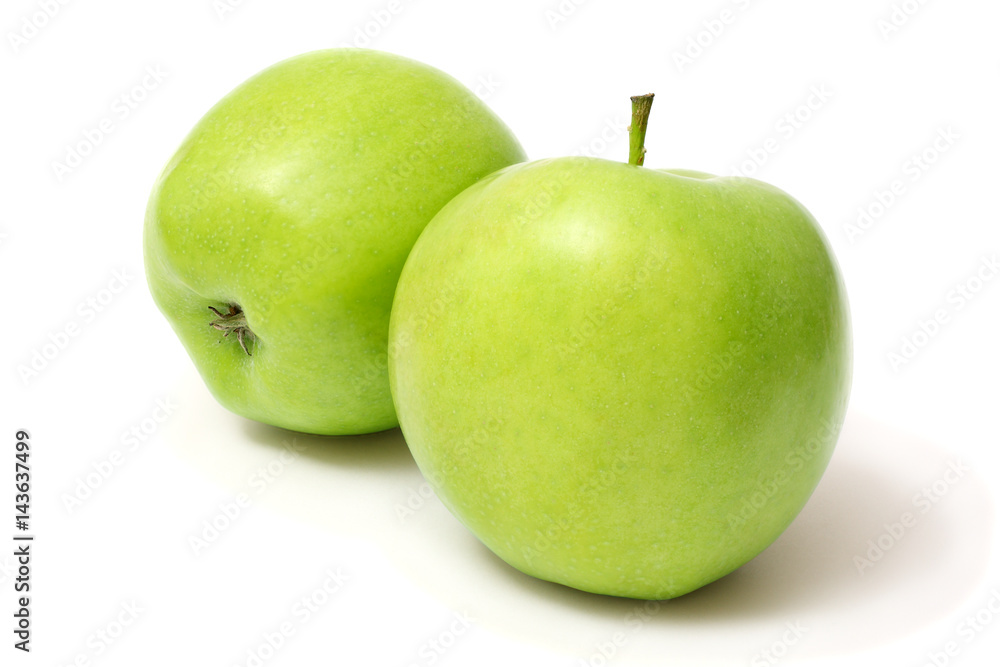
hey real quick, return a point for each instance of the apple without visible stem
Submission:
(624, 380)
(275, 236)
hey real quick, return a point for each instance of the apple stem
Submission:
(231, 321)
(641, 105)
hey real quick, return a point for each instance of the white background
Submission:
(417, 588)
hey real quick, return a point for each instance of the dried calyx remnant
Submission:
(231, 321)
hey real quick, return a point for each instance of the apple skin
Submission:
(623, 380)
(297, 198)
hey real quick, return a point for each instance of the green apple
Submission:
(275, 236)
(624, 380)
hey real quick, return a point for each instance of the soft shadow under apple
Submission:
(369, 486)
(827, 571)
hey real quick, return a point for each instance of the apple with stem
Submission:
(633, 379)
(275, 235)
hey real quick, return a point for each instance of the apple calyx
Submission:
(231, 321)
(641, 106)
